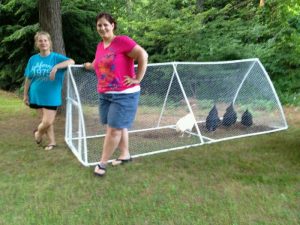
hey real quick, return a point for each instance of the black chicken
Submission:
(229, 117)
(212, 120)
(247, 119)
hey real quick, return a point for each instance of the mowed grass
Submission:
(254, 180)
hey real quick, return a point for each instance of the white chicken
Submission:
(185, 123)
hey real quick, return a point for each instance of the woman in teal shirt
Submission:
(44, 75)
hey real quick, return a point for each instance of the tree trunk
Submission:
(50, 21)
(261, 3)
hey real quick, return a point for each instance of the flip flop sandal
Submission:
(99, 167)
(118, 162)
(50, 147)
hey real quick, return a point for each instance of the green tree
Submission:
(19, 21)
(172, 30)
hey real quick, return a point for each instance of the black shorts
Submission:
(35, 106)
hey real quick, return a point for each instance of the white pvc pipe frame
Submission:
(81, 152)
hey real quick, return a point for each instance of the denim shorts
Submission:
(118, 110)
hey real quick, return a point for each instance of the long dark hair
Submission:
(108, 17)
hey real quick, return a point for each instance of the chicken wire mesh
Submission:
(226, 100)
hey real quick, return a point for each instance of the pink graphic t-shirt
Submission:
(112, 64)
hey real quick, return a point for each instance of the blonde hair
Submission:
(39, 33)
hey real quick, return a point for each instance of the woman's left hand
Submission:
(129, 81)
(52, 73)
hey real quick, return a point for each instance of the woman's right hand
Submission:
(25, 100)
(88, 65)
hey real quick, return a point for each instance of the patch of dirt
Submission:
(23, 124)
(157, 134)
(292, 115)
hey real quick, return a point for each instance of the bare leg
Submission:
(111, 142)
(48, 117)
(124, 145)
(51, 136)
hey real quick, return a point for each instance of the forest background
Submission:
(170, 30)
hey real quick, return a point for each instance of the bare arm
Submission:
(61, 65)
(141, 56)
(26, 88)
(88, 65)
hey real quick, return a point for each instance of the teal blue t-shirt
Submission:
(42, 90)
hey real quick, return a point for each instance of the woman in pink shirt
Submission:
(118, 87)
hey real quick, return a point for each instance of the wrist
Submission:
(138, 81)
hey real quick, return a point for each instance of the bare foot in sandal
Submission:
(50, 147)
(37, 137)
(100, 169)
(119, 161)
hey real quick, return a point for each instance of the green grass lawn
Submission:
(254, 180)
